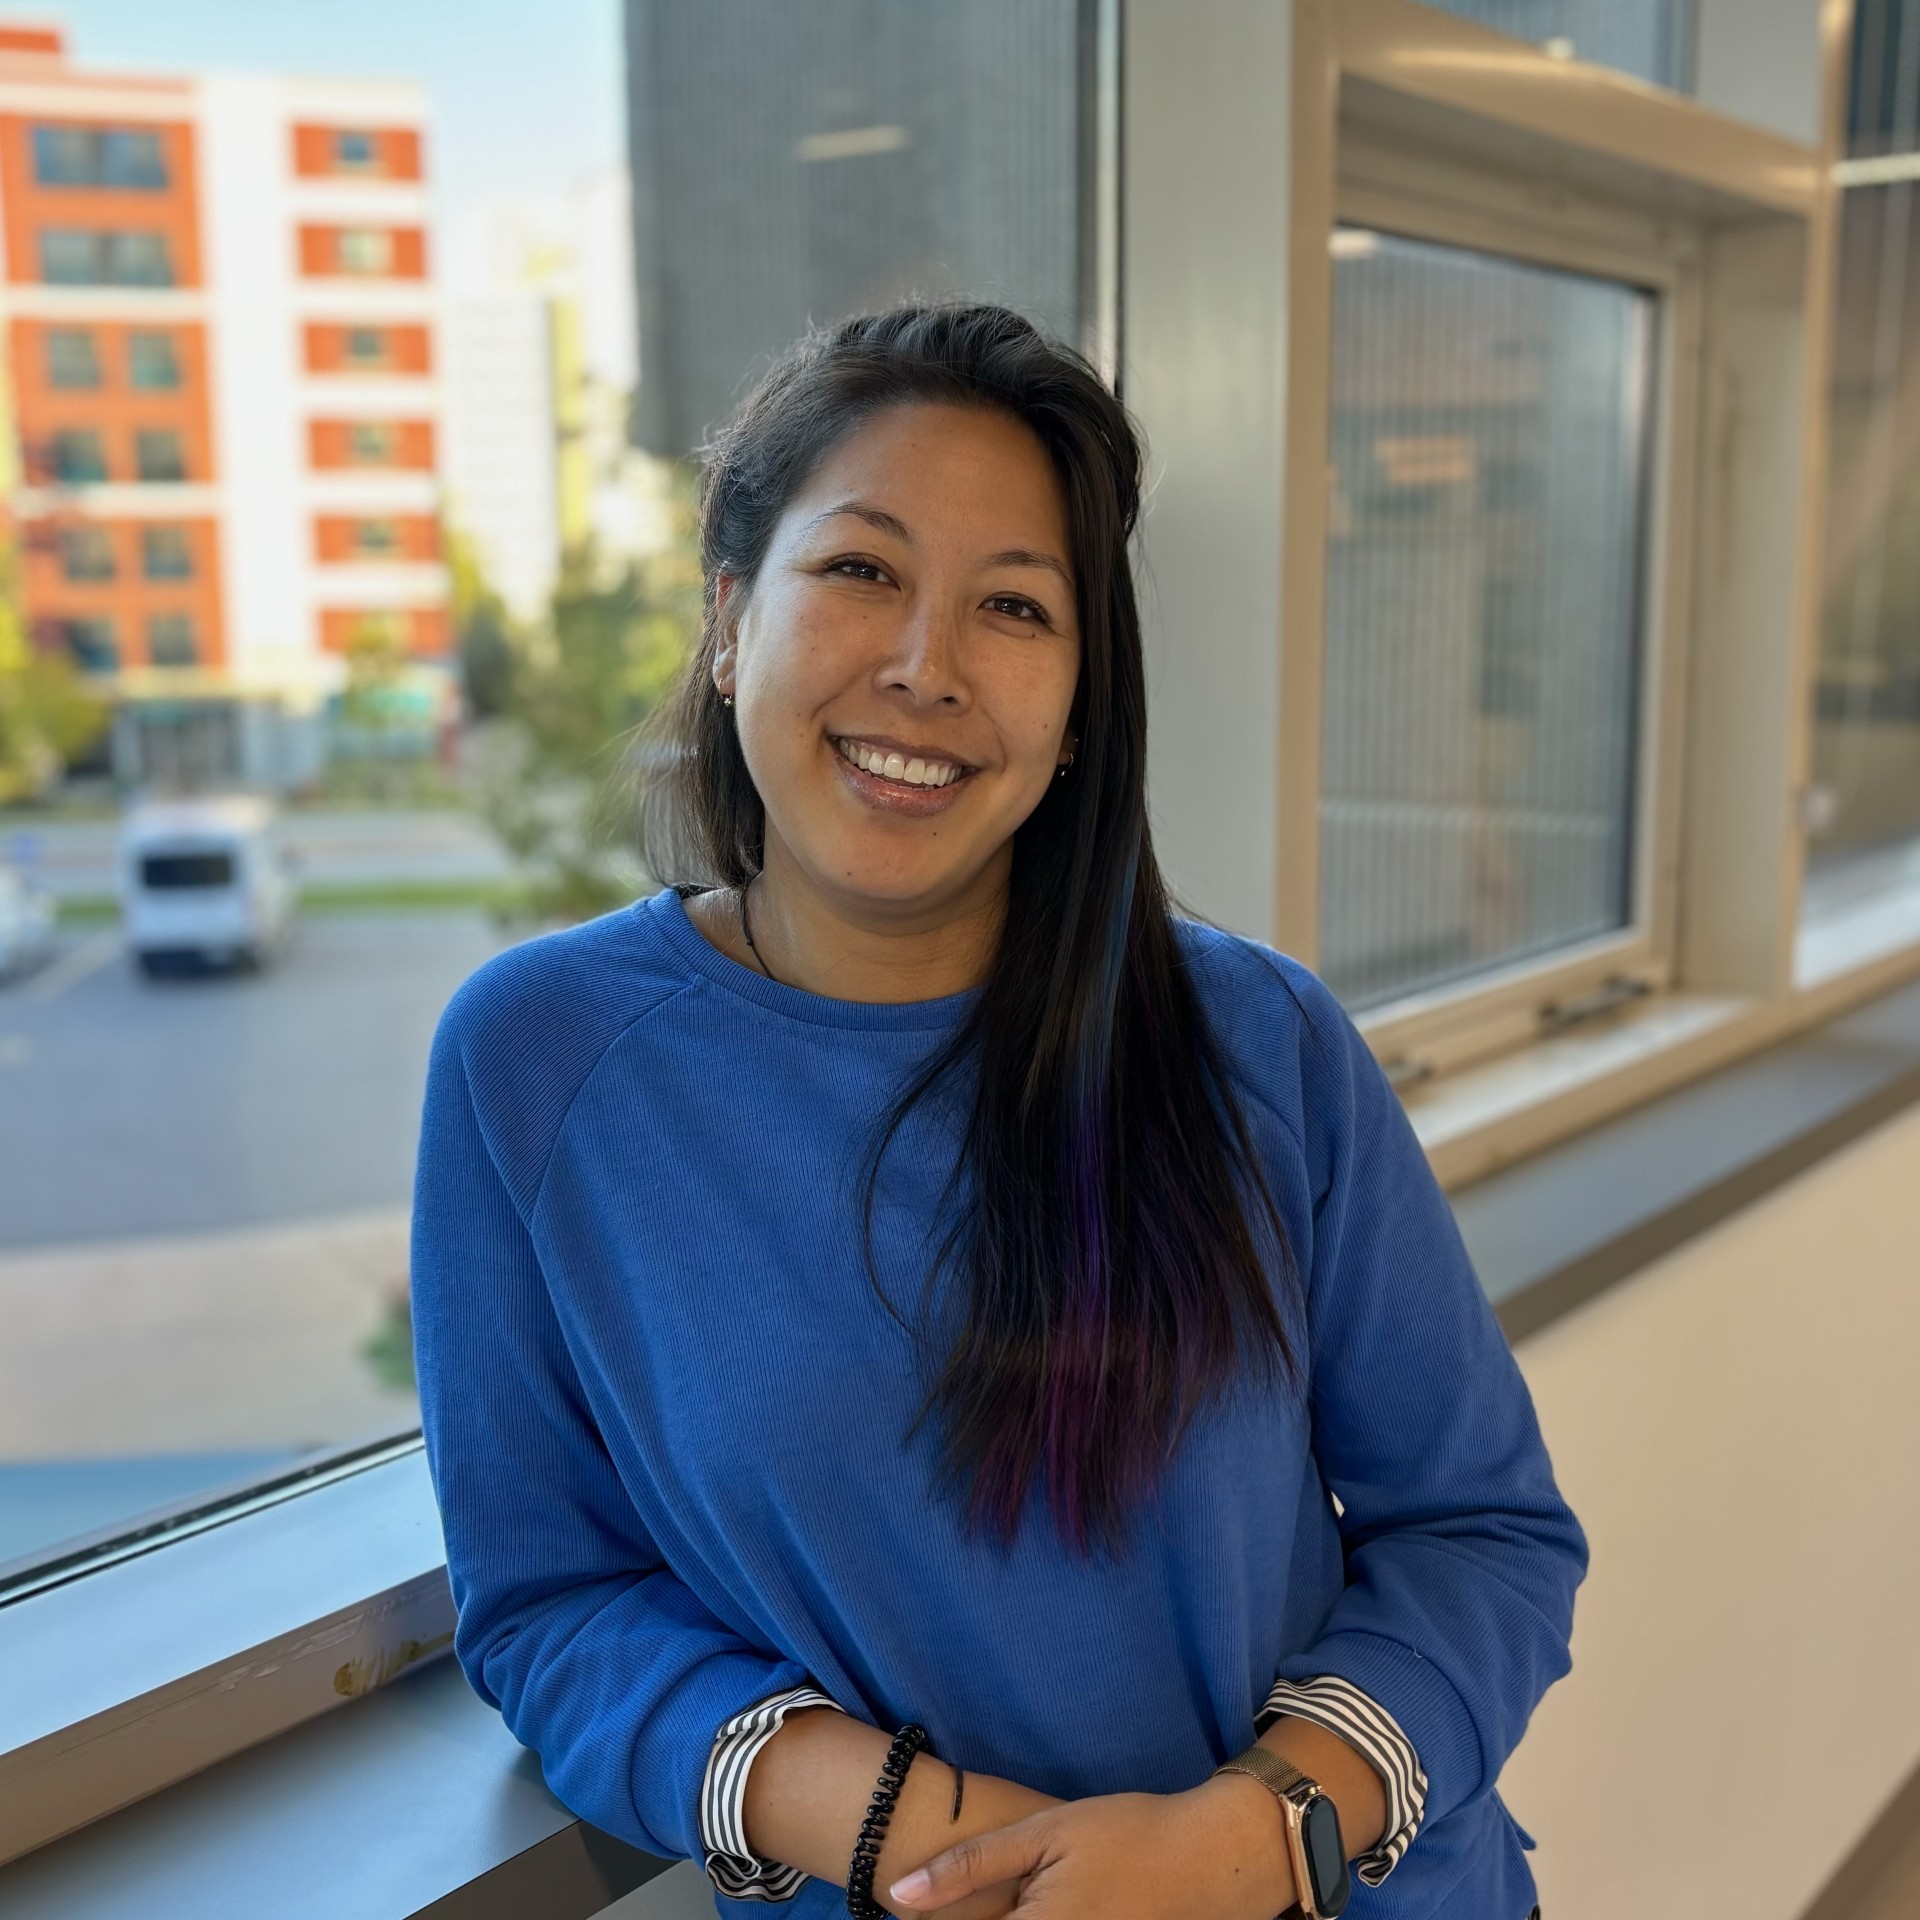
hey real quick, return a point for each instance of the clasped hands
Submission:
(1214, 1852)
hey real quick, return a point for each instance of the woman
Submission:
(912, 1282)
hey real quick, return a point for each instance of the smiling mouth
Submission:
(904, 769)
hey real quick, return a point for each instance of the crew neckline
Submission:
(668, 912)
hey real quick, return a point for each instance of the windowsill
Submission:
(1490, 1114)
(1860, 912)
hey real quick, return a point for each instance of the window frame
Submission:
(1422, 197)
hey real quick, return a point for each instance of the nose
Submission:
(925, 661)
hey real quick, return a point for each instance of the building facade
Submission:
(223, 426)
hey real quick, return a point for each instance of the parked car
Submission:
(204, 882)
(26, 923)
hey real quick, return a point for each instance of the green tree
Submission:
(48, 715)
(556, 775)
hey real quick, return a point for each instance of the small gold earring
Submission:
(726, 699)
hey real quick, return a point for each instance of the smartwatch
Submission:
(1314, 1845)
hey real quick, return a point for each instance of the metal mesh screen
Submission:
(1484, 568)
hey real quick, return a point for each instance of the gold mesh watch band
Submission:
(1280, 1776)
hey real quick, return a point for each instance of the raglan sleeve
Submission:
(1461, 1556)
(571, 1622)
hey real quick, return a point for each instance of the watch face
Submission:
(1326, 1857)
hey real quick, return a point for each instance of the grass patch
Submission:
(397, 896)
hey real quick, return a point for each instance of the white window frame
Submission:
(1407, 195)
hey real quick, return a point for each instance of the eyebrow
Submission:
(892, 523)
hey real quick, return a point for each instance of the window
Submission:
(1651, 39)
(171, 641)
(86, 553)
(364, 250)
(375, 539)
(186, 872)
(76, 456)
(122, 157)
(78, 257)
(365, 347)
(157, 454)
(373, 443)
(153, 361)
(94, 644)
(166, 553)
(73, 359)
(864, 158)
(1483, 613)
(355, 151)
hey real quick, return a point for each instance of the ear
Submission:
(726, 652)
(1069, 746)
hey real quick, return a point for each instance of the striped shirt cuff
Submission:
(1366, 1726)
(732, 1867)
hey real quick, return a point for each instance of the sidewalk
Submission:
(203, 1342)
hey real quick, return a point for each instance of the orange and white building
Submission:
(220, 448)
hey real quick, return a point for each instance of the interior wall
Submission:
(1739, 1430)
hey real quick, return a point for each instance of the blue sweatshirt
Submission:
(664, 1411)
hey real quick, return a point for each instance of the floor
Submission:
(1896, 1896)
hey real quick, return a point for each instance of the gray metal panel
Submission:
(410, 1801)
(1551, 1232)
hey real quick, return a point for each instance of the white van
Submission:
(204, 881)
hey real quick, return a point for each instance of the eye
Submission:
(850, 566)
(1016, 606)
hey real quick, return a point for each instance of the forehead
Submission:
(966, 475)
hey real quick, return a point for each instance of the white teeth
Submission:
(915, 772)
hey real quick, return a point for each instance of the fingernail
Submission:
(909, 1889)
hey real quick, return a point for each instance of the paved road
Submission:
(75, 858)
(130, 1107)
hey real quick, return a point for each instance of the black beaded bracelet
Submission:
(861, 1904)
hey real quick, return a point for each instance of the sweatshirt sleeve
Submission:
(1461, 1557)
(570, 1620)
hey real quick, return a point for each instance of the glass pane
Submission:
(796, 163)
(72, 258)
(205, 1163)
(72, 359)
(1650, 39)
(1866, 750)
(1489, 425)
(152, 362)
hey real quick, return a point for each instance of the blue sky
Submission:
(526, 93)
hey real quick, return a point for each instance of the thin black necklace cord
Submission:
(746, 933)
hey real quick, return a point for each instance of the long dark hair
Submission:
(1114, 1219)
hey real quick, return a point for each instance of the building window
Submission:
(73, 358)
(373, 443)
(356, 151)
(124, 157)
(166, 553)
(94, 644)
(83, 257)
(171, 641)
(1651, 39)
(86, 553)
(365, 347)
(376, 539)
(364, 250)
(157, 454)
(76, 456)
(153, 361)
(1483, 623)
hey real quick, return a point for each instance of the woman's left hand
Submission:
(1216, 1852)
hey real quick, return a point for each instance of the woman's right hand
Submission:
(808, 1791)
